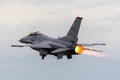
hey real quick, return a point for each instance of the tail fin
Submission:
(73, 32)
(75, 27)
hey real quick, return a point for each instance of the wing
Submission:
(34, 46)
(47, 44)
(40, 45)
(44, 44)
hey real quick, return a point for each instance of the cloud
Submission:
(20, 14)
(34, 2)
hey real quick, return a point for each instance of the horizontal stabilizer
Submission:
(93, 44)
(91, 49)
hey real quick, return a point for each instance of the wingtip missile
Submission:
(17, 46)
(20, 45)
(99, 44)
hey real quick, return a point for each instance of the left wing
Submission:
(33, 46)
(44, 44)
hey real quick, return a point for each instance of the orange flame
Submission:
(78, 49)
(93, 53)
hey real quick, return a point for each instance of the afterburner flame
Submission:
(93, 53)
(78, 49)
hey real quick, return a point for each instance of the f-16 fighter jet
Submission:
(59, 47)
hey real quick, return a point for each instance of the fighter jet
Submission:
(66, 45)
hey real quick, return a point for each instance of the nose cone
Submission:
(26, 40)
(22, 40)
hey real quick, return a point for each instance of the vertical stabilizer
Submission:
(73, 32)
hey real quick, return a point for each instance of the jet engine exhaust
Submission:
(94, 53)
(78, 49)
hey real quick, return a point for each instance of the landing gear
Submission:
(59, 56)
(43, 54)
(69, 56)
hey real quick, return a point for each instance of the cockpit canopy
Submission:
(35, 33)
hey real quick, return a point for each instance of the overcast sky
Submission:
(101, 23)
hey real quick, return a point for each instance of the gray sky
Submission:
(101, 23)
